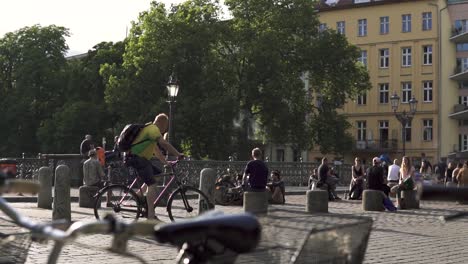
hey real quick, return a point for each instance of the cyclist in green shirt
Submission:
(146, 157)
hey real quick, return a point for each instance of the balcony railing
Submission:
(459, 34)
(460, 74)
(376, 145)
(459, 112)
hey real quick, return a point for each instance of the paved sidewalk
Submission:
(14, 198)
(408, 236)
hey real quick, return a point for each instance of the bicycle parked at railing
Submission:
(122, 200)
(212, 237)
(228, 188)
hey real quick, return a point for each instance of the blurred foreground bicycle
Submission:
(212, 237)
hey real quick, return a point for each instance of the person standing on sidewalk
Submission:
(86, 145)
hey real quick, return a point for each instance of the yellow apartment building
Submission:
(454, 72)
(399, 42)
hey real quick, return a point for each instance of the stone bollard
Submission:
(372, 200)
(207, 186)
(62, 206)
(317, 201)
(86, 196)
(409, 200)
(256, 202)
(44, 197)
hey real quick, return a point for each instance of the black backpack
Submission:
(128, 135)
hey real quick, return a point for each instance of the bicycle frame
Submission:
(162, 193)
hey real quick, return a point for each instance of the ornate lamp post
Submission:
(172, 91)
(404, 117)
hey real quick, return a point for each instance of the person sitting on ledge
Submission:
(276, 188)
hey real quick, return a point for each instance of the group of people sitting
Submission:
(392, 180)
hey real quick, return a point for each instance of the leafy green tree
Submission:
(84, 110)
(270, 44)
(184, 42)
(31, 78)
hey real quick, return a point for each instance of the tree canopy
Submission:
(242, 80)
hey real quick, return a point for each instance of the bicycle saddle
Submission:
(239, 233)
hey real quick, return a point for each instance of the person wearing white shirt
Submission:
(393, 175)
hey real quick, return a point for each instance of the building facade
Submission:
(454, 50)
(400, 43)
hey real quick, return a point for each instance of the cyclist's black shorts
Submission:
(146, 170)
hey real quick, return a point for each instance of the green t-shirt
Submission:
(150, 133)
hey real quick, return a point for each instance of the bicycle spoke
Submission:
(119, 201)
(185, 203)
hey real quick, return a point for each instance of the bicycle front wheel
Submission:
(186, 202)
(118, 200)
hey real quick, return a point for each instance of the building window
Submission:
(461, 26)
(427, 130)
(406, 92)
(383, 93)
(462, 142)
(427, 91)
(427, 55)
(361, 130)
(362, 27)
(280, 155)
(462, 64)
(322, 27)
(384, 25)
(340, 27)
(406, 23)
(296, 155)
(462, 47)
(407, 133)
(406, 57)
(426, 21)
(363, 58)
(463, 85)
(463, 100)
(383, 130)
(362, 99)
(384, 58)
(463, 123)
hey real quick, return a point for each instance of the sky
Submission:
(89, 21)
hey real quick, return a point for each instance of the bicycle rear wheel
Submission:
(184, 203)
(222, 193)
(118, 200)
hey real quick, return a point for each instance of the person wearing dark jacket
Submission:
(375, 177)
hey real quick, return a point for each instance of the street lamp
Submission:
(404, 117)
(172, 91)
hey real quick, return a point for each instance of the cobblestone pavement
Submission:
(408, 236)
